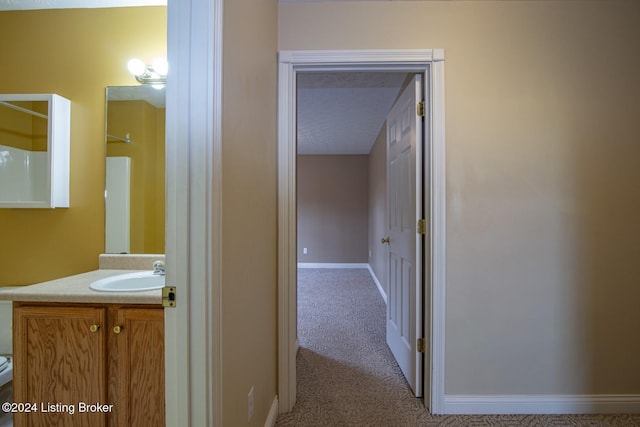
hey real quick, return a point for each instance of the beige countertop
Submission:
(75, 289)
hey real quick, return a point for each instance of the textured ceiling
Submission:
(70, 4)
(343, 112)
(66, 4)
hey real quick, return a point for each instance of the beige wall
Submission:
(543, 166)
(378, 259)
(75, 53)
(249, 203)
(333, 208)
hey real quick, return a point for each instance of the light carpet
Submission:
(347, 375)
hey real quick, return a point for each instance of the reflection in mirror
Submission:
(135, 170)
(23, 150)
(34, 151)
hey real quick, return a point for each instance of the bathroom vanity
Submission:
(88, 358)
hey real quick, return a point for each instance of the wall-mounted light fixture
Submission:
(154, 74)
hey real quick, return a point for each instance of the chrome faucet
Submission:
(158, 268)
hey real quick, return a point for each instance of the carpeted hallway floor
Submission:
(348, 377)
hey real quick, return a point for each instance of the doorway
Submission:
(359, 140)
(430, 63)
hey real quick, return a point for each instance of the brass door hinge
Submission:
(420, 109)
(422, 226)
(169, 296)
(420, 345)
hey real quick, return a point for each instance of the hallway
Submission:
(348, 377)
(346, 373)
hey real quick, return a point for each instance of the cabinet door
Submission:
(59, 364)
(136, 367)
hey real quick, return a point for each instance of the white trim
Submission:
(287, 245)
(291, 62)
(273, 414)
(543, 404)
(383, 294)
(358, 58)
(436, 297)
(193, 331)
(332, 265)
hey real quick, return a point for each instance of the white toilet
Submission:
(6, 389)
(6, 361)
(6, 375)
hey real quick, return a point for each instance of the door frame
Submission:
(428, 61)
(193, 329)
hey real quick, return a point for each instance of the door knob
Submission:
(385, 240)
(117, 329)
(94, 328)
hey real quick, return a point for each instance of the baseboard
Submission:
(543, 404)
(273, 414)
(378, 284)
(331, 265)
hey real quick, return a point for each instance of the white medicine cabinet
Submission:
(34, 151)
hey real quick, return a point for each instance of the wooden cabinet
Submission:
(137, 363)
(89, 365)
(58, 361)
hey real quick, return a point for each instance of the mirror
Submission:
(135, 170)
(34, 151)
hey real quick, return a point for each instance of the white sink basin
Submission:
(130, 282)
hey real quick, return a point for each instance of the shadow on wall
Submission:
(607, 159)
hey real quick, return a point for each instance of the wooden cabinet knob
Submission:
(94, 328)
(117, 329)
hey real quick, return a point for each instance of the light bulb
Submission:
(160, 66)
(136, 67)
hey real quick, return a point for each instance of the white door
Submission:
(404, 187)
